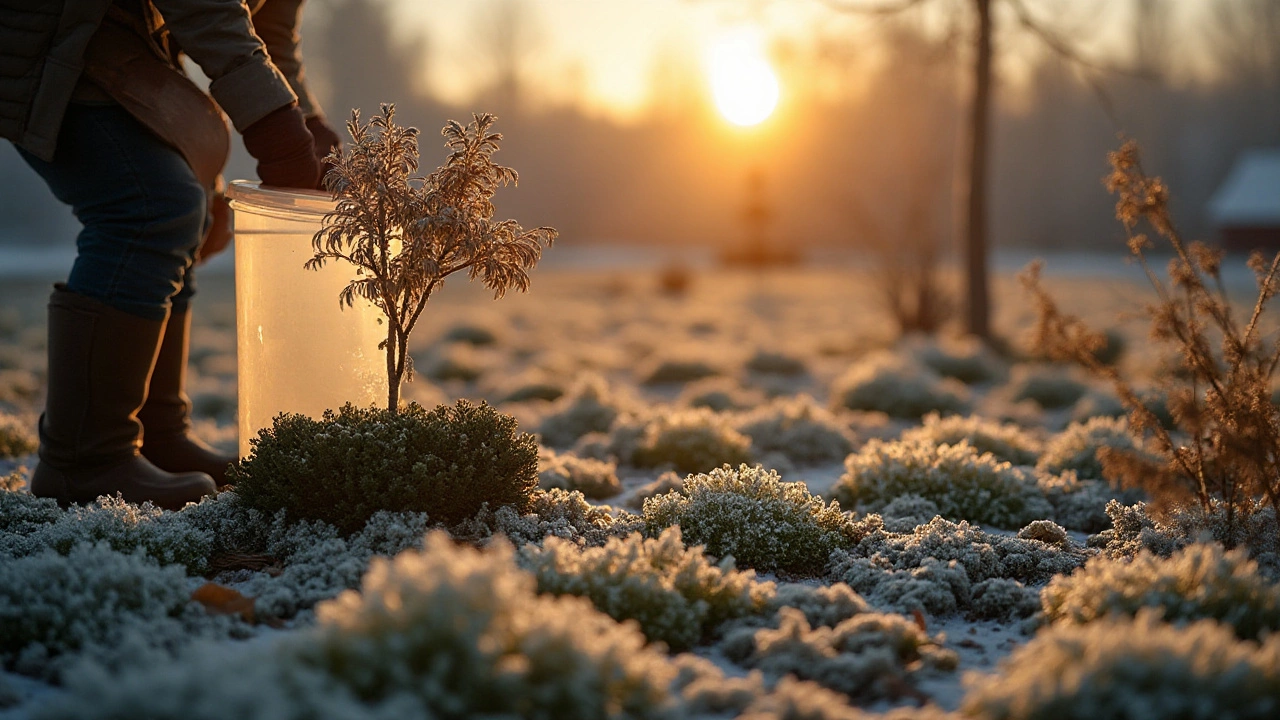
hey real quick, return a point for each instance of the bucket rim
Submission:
(250, 196)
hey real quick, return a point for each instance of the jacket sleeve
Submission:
(218, 36)
(277, 22)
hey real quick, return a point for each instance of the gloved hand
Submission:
(284, 149)
(326, 141)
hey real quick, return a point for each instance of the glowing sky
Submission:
(604, 54)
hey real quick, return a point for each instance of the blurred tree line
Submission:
(864, 150)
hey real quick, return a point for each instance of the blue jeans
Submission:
(144, 213)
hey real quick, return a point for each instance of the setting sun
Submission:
(743, 82)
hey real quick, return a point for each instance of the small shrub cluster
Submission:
(1051, 387)
(669, 481)
(1121, 668)
(675, 593)
(770, 362)
(1133, 530)
(1006, 442)
(31, 525)
(1079, 504)
(677, 370)
(446, 632)
(966, 359)
(342, 469)
(590, 406)
(90, 602)
(1196, 582)
(720, 395)
(553, 513)
(899, 387)
(750, 514)
(964, 484)
(596, 479)
(867, 657)
(944, 568)
(1076, 448)
(691, 441)
(799, 429)
(16, 439)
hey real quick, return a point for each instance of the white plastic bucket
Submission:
(298, 351)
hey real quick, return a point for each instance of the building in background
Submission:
(1245, 211)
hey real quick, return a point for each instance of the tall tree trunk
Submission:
(978, 304)
(393, 378)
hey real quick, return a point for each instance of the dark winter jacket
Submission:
(42, 48)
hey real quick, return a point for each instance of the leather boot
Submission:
(100, 361)
(166, 417)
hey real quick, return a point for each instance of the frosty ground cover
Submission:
(643, 578)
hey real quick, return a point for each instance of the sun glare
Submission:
(743, 82)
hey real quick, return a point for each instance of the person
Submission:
(93, 95)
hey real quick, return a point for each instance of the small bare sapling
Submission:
(406, 234)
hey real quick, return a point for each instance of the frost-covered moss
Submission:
(1121, 669)
(770, 362)
(31, 525)
(964, 484)
(1198, 581)
(596, 479)
(899, 387)
(553, 513)
(907, 512)
(691, 441)
(966, 359)
(751, 514)
(1006, 442)
(868, 656)
(91, 600)
(589, 406)
(446, 632)
(1076, 448)
(1079, 504)
(675, 370)
(16, 439)
(675, 593)
(937, 566)
(1049, 386)
(798, 428)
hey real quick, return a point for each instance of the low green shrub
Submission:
(750, 514)
(1076, 448)
(964, 484)
(675, 593)
(1006, 442)
(1049, 386)
(345, 467)
(596, 479)
(966, 359)
(799, 429)
(691, 441)
(1122, 669)
(899, 387)
(1196, 582)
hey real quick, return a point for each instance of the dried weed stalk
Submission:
(1226, 446)
(406, 234)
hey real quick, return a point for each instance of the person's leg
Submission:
(143, 212)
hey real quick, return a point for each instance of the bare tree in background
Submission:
(506, 35)
(977, 313)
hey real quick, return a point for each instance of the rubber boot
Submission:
(100, 362)
(166, 417)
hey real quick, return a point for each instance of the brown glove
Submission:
(284, 149)
(326, 142)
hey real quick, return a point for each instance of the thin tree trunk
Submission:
(393, 379)
(978, 309)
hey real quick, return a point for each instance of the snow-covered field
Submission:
(948, 579)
